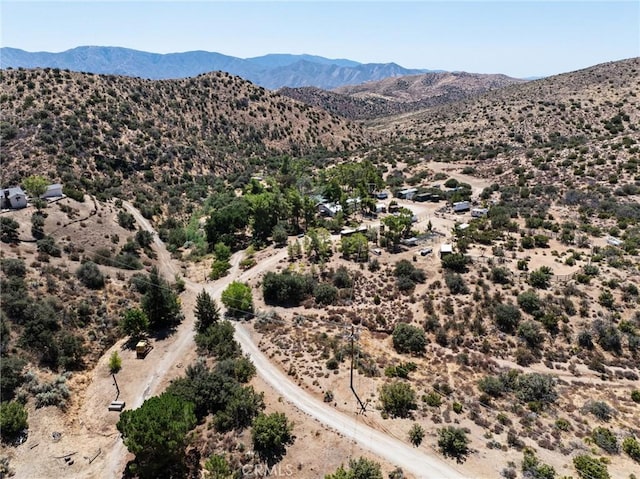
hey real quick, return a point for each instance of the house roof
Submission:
(446, 248)
(13, 192)
(55, 186)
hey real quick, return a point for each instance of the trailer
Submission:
(461, 206)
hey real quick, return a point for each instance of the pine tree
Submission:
(207, 311)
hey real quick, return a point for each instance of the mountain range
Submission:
(271, 71)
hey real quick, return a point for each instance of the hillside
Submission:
(270, 71)
(393, 96)
(104, 134)
(576, 130)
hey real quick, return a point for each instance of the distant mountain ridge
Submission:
(271, 71)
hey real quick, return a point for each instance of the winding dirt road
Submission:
(396, 452)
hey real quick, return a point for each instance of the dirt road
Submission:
(90, 428)
(396, 452)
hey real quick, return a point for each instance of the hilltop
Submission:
(392, 96)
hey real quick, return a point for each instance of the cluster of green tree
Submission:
(407, 275)
(537, 390)
(409, 339)
(280, 209)
(290, 288)
(39, 323)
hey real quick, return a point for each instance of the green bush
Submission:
(325, 293)
(532, 468)
(416, 434)
(90, 275)
(13, 267)
(13, 420)
(605, 439)
(286, 289)
(409, 339)
(635, 395)
(631, 446)
(599, 409)
(507, 317)
(453, 442)
(455, 283)
(398, 399)
(590, 468)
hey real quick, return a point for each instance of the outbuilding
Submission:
(461, 206)
(52, 191)
(446, 249)
(13, 198)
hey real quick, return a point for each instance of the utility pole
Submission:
(352, 338)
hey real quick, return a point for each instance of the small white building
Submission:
(13, 198)
(381, 208)
(461, 206)
(329, 209)
(613, 241)
(407, 194)
(446, 249)
(52, 191)
(479, 212)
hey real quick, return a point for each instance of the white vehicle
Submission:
(425, 251)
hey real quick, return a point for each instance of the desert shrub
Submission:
(536, 387)
(585, 340)
(455, 262)
(507, 317)
(590, 468)
(541, 277)
(635, 395)
(325, 293)
(500, 275)
(126, 220)
(605, 439)
(532, 468)
(286, 288)
(455, 283)
(48, 246)
(409, 339)
(608, 336)
(453, 442)
(361, 468)
(90, 275)
(342, 279)
(11, 376)
(9, 230)
(599, 409)
(416, 434)
(529, 332)
(631, 446)
(13, 267)
(398, 399)
(13, 420)
(115, 362)
(530, 302)
(433, 399)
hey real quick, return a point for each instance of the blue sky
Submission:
(518, 38)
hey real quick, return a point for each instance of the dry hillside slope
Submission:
(98, 133)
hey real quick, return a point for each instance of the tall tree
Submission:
(35, 185)
(156, 433)
(207, 311)
(160, 302)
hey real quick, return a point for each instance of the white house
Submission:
(52, 191)
(13, 198)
